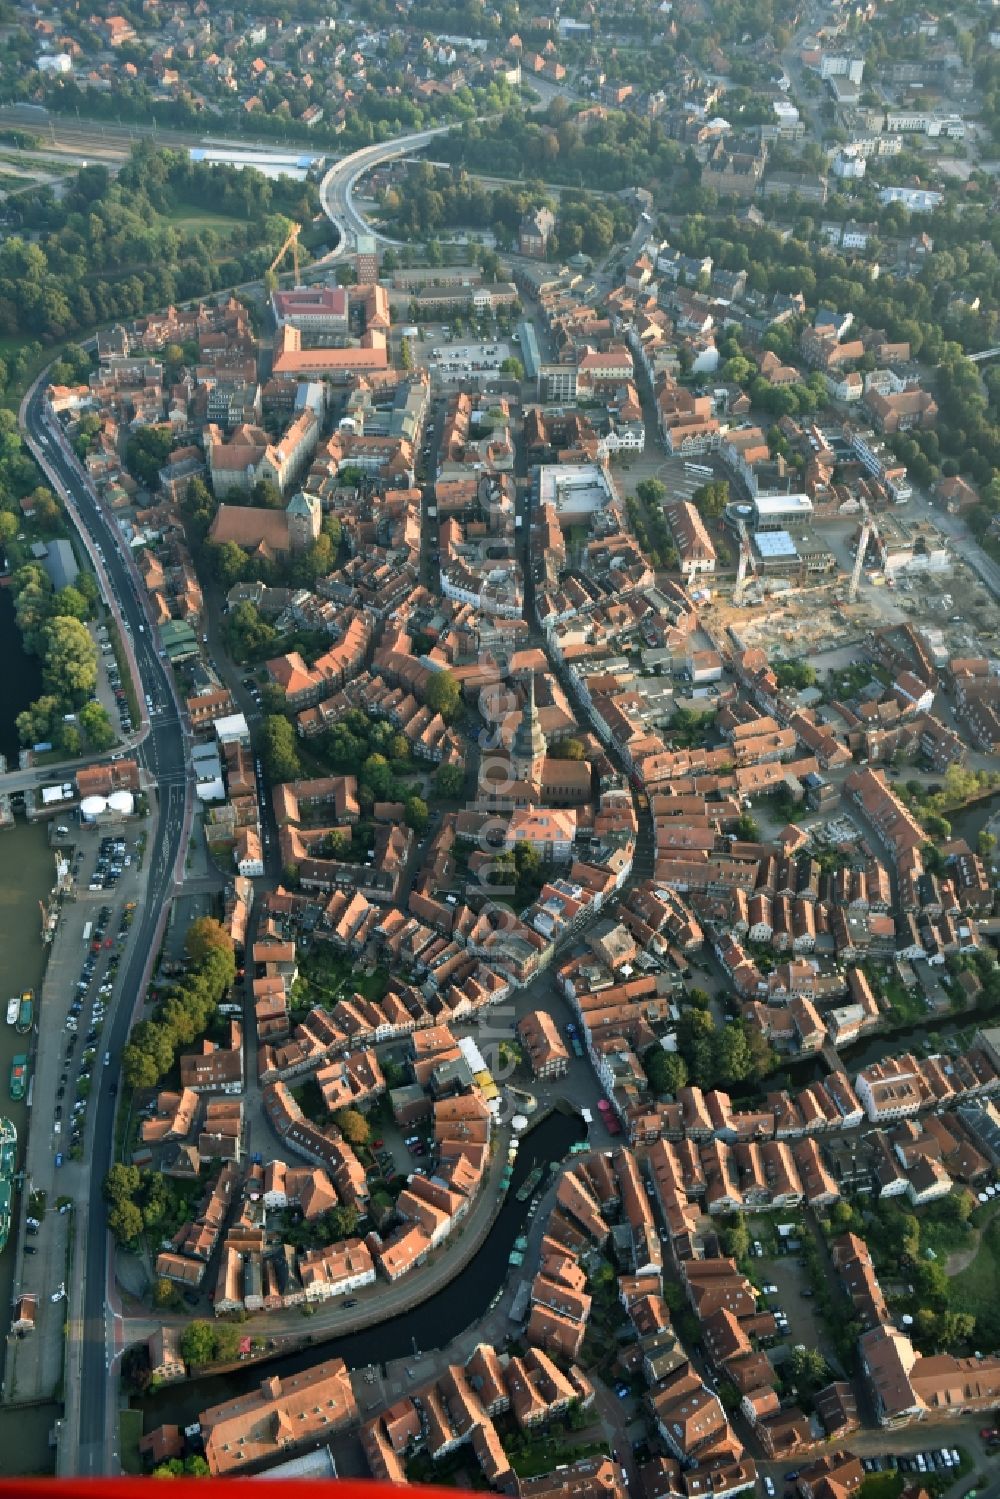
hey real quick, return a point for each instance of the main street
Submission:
(164, 754)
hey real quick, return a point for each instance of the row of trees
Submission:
(429, 200)
(615, 153)
(187, 1011)
(52, 627)
(110, 247)
(377, 115)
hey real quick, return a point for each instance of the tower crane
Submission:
(746, 560)
(867, 531)
(292, 239)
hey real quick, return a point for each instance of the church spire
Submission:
(528, 748)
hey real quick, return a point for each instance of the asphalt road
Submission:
(164, 754)
(337, 187)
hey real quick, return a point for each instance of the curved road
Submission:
(163, 753)
(336, 188)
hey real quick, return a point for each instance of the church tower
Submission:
(304, 515)
(528, 748)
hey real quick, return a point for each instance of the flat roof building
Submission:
(771, 511)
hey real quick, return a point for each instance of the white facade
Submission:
(849, 165)
(839, 65)
(913, 199)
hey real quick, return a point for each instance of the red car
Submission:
(377, 1144)
(989, 1434)
(107, 942)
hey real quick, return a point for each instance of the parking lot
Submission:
(794, 1303)
(453, 360)
(118, 703)
(68, 1066)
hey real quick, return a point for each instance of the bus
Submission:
(87, 931)
(700, 470)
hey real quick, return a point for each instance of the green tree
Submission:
(139, 1068)
(806, 1369)
(748, 829)
(376, 773)
(72, 602)
(448, 781)
(417, 815)
(343, 1221)
(228, 1337)
(172, 1468)
(732, 1054)
(512, 368)
(195, 1466)
(96, 724)
(205, 936)
(712, 498)
(147, 451)
(198, 1343)
(70, 668)
(125, 1221)
(280, 751)
(443, 694)
(353, 1126)
(165, 1293)
(568, 749)
(229, 562)
(666, 1070)
(121, 1183)
(68, 739)
(736, 1237)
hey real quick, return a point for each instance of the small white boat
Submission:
(13, 1005)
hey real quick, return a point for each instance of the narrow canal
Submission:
(431, 1325)
(22, 678)
(26, 876)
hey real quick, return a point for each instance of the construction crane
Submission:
(293, 241)
(867, 530)
(746, 560)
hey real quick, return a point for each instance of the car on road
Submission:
(769, 1487)
(59, 1159)
(351, 1301)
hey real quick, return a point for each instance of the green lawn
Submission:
(325, 977)
(188, 216)
(907, 1004)
(976, 1289)
(543, 1456)
(129, 1432)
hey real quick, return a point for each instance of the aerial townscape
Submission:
(500, 745)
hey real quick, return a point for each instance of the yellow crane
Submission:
(293, 241)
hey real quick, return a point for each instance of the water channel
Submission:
(26, 875)
(431, 1325)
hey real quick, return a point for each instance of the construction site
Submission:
(798, 613)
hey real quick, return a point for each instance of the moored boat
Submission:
(13, 1005)
(25, 1012)
(529, 1184)
(8, 1160)
(18, 1077)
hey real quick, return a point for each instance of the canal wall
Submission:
(464, 1294)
